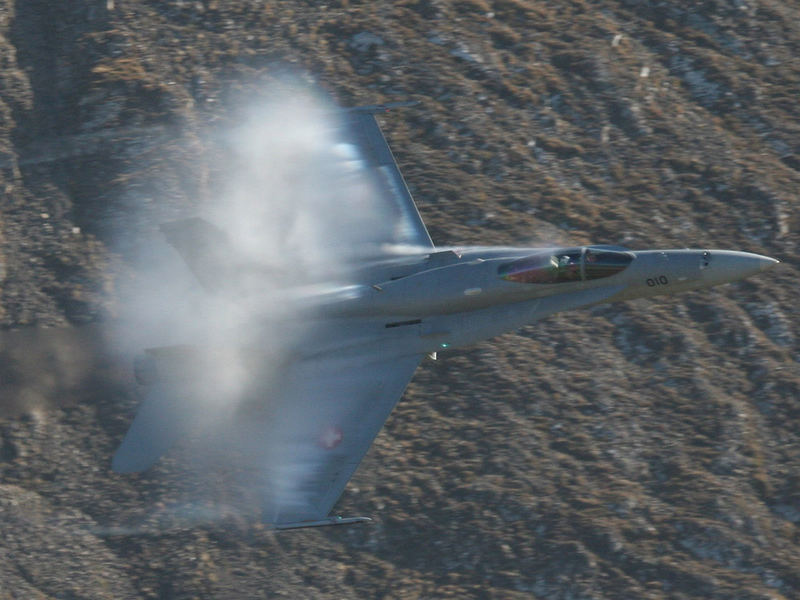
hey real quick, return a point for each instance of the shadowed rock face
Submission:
(647, 449)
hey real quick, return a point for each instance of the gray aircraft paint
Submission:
(356, 335)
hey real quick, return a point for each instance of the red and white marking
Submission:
(331, 437)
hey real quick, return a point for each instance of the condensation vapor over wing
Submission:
(303, 199)
(313, 188)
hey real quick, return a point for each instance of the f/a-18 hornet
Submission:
(355, 346)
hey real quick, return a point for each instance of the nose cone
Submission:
(766, 262)
(728, 265)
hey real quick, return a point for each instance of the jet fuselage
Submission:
(452, 298)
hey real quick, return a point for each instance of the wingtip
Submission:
(335, 520)
(378, 108)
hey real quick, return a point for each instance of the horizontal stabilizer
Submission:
(206, 249)
(161, 421)
(323, 522)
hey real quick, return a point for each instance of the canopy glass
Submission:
(571, 264)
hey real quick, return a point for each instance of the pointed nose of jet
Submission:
(722, 266)
(765, 262)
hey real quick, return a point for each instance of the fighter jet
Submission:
(357, 345)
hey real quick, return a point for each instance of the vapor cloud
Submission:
(296, 205)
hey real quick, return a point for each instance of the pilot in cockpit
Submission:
(569, 267)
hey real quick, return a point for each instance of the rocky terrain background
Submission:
(644, 450)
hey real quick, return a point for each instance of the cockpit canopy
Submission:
(571, 264)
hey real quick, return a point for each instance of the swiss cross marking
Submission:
(331, 437)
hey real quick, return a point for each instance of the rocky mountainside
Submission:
(643, 450)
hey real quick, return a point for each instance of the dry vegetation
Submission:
(645, 450)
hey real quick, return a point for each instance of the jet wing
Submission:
(323, 420)
(345, 193)
(302, 435)
(362, 130)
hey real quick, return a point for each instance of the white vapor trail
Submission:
(297, 207)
